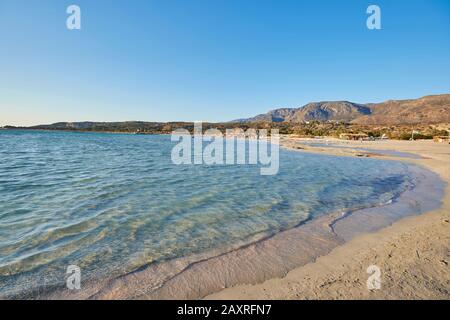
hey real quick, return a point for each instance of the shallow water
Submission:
(112, 203)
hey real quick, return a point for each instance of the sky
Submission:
(213, 60)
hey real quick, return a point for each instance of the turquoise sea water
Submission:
(112, 203)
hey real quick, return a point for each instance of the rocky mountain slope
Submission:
(429, 109)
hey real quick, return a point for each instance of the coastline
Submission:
(276, 256)
(413, 253)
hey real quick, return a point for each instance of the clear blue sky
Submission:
(213, 60)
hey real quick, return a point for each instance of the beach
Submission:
(312, 262)
(221, 150)
(413, 254)
(335, 208)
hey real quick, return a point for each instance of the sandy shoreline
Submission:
(413, 254)
(321, 258)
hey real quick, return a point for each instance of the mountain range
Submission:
(425, 110)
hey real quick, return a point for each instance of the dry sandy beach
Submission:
(413, 253)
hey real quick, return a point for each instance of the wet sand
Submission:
(413, 254)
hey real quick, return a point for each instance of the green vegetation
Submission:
(309, 129)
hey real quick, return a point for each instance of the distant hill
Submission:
(426, 110)
(96, 126)
(429, 109)
(127, 126)
(278, 115)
